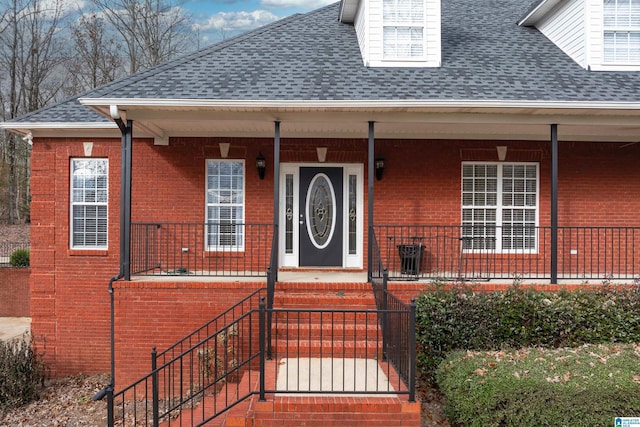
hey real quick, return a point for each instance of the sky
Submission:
(219, 19)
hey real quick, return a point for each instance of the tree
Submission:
(153, 31)
(30, 57)
(95, 59)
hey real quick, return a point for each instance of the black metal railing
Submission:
(412, 252)
(335, 352)
(7, 248)
(398, 324)
(196, 373)
(211, 249)
(345, 355)
(394, 316)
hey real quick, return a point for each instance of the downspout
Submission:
(125, 224)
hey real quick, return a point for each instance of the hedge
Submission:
(460, 319)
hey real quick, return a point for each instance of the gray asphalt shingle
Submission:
(485, 56)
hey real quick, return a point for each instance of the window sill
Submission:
(88, 252)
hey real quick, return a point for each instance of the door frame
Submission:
(289, 257)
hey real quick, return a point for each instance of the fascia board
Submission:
(252, 105)
(26, 127)
(532, 18)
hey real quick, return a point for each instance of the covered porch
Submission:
(408, 198)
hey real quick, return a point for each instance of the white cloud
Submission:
(306, 4)
(237, 21)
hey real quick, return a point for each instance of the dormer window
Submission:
(621, 31)
(403, 32)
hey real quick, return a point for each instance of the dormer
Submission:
(395, 33)
(601, 35)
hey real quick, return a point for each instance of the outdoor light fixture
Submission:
(261, 165)
(379, 168)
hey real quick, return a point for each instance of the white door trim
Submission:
(289, 257)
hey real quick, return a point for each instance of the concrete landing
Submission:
(316, 374)
(14, 327)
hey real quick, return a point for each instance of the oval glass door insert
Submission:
(320, 207)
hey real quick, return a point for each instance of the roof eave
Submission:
(103, 104)
(537, 12)
(348, 9)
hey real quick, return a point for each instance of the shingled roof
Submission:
(486, 56)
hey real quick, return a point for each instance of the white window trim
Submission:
(616, 65)
(499, 209)
(72, 203)
(226, 248)
(397, 60)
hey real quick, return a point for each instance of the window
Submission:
(621, 31)
(89, 198)
(499, 206)
(403, 32)
(225, 205)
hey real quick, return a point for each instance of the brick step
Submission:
(327, 330)
(343, 300)
(330, 411)
(314, 317)
(315, 348)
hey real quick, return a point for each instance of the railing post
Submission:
(262, 348)
(385, 315)
(110, 420)
(412, 352)
(154, 388)
(270, 295)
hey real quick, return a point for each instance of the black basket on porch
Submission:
(411, 257)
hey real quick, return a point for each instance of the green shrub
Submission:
(19, 258)
(21, 373)
(584, 386)
(460, 319)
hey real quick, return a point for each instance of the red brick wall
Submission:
(69, 298)
(14, 292)
(598, 185)
(158, 314)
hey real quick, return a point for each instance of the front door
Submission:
(321, 217)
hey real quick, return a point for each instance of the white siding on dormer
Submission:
(361, 24)
(565, 27)
(369, 28)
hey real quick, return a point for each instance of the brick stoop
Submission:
(324, 411)
(308, 336)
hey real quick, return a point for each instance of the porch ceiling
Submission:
(519, 122)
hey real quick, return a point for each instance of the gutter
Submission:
(253, 105)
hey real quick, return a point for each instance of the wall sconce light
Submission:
(379, 168)
(322, 154)
(502, 152)
(261, 165)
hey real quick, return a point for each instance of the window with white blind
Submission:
(621, 31)
(89, 199)
(500, 207)
(225, 205)
(403, 32)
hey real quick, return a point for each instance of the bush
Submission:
(585, 386)
(21, 373)
(459, 319)
(19, 258)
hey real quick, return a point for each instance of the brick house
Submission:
(462, 140)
